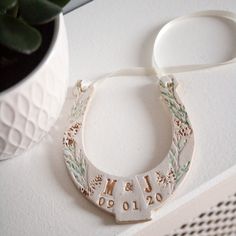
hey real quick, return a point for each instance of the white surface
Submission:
(37, 196)
(199, 201)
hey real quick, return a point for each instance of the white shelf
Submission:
(38, 197)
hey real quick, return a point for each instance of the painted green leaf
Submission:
(16, 35)
(38, 11)
(7, 4)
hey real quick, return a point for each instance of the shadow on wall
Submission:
(73, 4)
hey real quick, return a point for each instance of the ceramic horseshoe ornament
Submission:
(133, 198)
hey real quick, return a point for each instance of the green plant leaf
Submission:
(7, 4)
(16, 35)
(38, 11)
(13, 11)
(60, 3)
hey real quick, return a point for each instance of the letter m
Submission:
(109, 186)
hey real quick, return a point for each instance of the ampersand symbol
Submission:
(128, 187)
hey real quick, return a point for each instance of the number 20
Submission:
(151, 201)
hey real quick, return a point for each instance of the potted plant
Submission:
(33, 71)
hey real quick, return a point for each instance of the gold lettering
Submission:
(149, 199)
(126, 206)
(135, 205)
(159, 197)
(148, 189)
(101, 201)
(110, 204)
(129, 187)
(109, 186)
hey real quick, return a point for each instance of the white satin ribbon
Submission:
(184, 68)
(160, 71)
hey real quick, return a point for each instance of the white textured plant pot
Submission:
(29, 109)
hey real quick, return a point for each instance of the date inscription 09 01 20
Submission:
(133, 205)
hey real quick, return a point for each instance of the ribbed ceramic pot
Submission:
(29, 109)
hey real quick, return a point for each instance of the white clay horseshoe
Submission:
(130, 198)
(133, 198)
